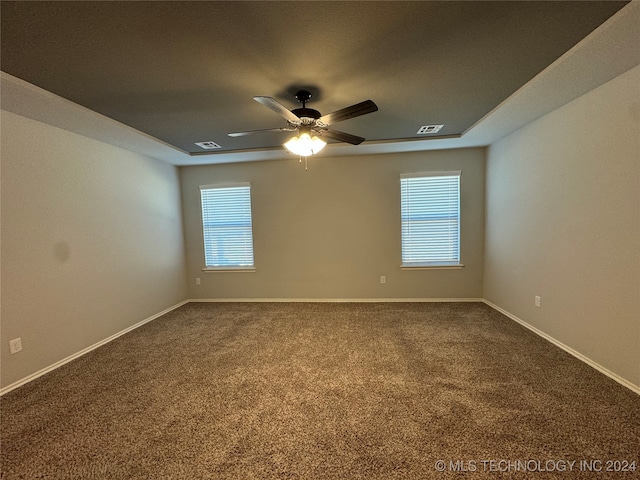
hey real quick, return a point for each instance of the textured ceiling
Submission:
(186, 72)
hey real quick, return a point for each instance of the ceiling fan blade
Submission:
(356, 110)
(342, 137)
(251, 132)
(277, 107)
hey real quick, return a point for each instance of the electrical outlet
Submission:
(383, 279)
(198, 281)
(15, 345)
(537, 301)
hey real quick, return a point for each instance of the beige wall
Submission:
(91, 243)
(332, 231)
(563, 222)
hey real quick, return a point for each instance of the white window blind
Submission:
(227, 226)
(430, 214)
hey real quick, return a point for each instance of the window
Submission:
(430, 214)
(227, 227)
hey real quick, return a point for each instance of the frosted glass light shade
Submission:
(305, 145)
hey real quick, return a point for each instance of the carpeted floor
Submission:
(322, 391)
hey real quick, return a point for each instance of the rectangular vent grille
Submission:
(426, 129)
(208, 145)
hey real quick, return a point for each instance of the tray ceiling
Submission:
(186, 72)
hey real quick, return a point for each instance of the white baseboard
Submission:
(631, 386)
(335, 300)
(68, 359)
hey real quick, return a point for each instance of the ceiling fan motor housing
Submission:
(304, 112)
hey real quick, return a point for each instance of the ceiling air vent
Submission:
(426, 129)
(208, 145)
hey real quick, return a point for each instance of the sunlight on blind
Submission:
(430, 214)
(227, 227)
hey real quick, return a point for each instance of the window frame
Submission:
(448, 263)
(226, 267)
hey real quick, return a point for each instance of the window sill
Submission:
(228, 269)
(433, 266)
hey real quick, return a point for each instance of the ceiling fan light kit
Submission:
(304, 145)
(310, 124)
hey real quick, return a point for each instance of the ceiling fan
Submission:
(311, 124)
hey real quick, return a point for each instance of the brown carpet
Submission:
(322, 391)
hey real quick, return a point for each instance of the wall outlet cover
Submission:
(15, 345)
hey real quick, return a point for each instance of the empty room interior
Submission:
(420, 260)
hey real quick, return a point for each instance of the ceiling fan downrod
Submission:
(308, 116)
(303, 97)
